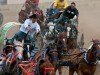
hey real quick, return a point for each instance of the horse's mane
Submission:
(94, 41)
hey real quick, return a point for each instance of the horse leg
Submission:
(55, 70)
(80, 73)
(71, 70)
(60, 70)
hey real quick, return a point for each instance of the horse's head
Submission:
(96, 48)
(8, 48)
(62, 39)
(62, 43)
(19, 49)
(28, 6)
(72, 33)
(52, 52)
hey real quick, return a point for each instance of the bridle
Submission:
(94, 52)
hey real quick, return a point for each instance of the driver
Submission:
(69, 13)
(60, 5)
(28, 28)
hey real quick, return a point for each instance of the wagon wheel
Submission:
(1, 18)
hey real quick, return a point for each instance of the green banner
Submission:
(5, 28)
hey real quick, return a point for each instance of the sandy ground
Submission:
(89, 19)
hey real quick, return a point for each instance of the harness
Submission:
(86, 60)
(94, 52)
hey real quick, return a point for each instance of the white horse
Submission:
(19, 49)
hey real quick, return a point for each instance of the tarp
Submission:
(5, 28)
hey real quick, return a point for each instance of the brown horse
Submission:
(87, 58)
(65, 48)
(61, 47)
(90, 60)
(53, 57)
(22, 16)
(46, 68)
(71, 35)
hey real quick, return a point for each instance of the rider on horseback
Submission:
(69, 13)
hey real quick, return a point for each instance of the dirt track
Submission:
(89, 19)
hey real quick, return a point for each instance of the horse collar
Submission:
(86, 60)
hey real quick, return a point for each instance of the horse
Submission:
(22, 16)
(91, 58)
(53, 55)
(28, 5)
(64, 48)
(72, 34)
(61, 42)
(45, 67)
(14, 57)
(88, 58)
